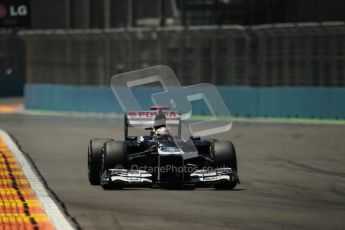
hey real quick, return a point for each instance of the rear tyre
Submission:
(224, 155)
(114, 155)
(94, 159)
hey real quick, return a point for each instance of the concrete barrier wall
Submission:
(299, 102)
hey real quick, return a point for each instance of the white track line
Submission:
(56, 215)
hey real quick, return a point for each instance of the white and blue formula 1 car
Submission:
(161, 159)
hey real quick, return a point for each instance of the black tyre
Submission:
(94, 159)
(114, 155)
(224, 155)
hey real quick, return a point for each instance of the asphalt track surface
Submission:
(293, 177)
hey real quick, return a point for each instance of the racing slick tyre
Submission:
(94, 159)
(114, 155)
(224, 155)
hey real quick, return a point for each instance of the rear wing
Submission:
(151, 119)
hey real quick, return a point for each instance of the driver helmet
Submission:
(163, 133)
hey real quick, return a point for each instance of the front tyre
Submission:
(114, 155)
(224, 155)
(228, 185)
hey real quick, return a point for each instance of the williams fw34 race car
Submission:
(161, 159)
